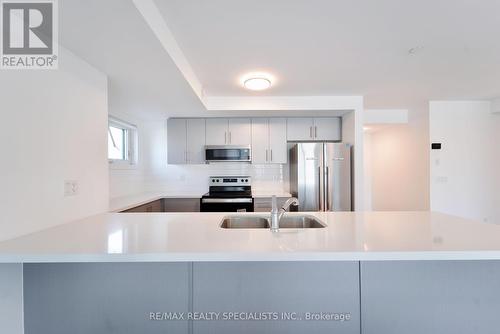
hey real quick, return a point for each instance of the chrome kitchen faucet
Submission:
(277, 214)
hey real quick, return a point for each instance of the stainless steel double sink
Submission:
(257, 222)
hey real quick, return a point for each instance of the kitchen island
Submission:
(377, 272)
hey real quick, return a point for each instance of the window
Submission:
(122, 143)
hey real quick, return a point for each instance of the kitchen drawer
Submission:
(155, 206)
(263, 204)
(181, 204)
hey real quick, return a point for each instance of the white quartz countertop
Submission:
(349, 236)
(127, 202)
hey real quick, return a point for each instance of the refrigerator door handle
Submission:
(320, 204)
(327, 190)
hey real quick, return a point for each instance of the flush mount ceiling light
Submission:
(257, 81)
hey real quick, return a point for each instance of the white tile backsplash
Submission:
(195, 177)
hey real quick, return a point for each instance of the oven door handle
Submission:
(226, 200)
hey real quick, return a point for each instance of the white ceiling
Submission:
(113, 37)
(313, 47)
(353, 47)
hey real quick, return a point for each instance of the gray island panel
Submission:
(256, 287)
(422, 297)
(11, 298)
(104, 298)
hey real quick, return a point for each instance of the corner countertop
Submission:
(128, 202)
(170, 237)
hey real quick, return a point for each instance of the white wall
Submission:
(368, 170)
(398, 163)
(352, 133)
(465, 177)
(53, 129)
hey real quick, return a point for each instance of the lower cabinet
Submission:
(181, 205)
(155, 206)
(169, 205)
(290, 291)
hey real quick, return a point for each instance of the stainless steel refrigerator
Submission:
(320, 176)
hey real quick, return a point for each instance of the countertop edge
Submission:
(247, 257)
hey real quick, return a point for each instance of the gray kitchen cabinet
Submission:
(216, 131)
(277, 141)
(327, 129)
(103, 298)
(260, 140)
(415, 297)
(176, 141)
(269, 140)
(155, 206)
(228, 131)
(316, 128)
(263, 204)
(294, 289)
(186, 141)
(195, 146)
(300, 129)
(181, 205)
(239, 131)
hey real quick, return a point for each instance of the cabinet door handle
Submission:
(315, 131)
(229, 137)
(310, 132)
(271, 155)
(266, 155)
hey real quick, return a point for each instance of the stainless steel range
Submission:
(228, 194)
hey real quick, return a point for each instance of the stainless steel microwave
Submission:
(231, 153)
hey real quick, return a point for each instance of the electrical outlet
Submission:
(70, 188)
(442, 179)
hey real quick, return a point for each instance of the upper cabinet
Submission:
(216, 131)
(195, 129)
(327, 128)
(232, 131)
(176, 141)
(267, 136)
(319, 128)
(269, 140)
(240, 131)
(300, 129)
(186, 141)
